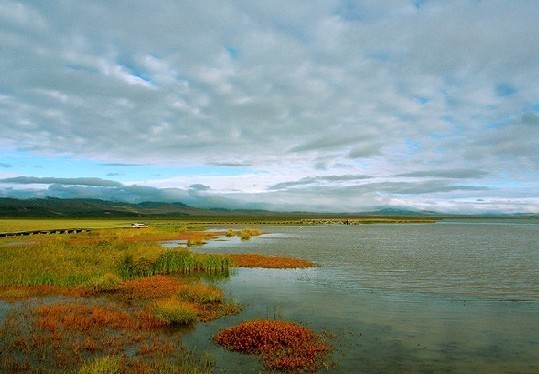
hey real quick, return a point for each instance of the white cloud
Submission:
(292, 89)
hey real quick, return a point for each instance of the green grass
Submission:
(174, 311)
(59, 261)
(102, 365)
(105, 283)
(195, 242)
(26, 224)
(201, 293)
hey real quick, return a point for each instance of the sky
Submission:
(319, 105)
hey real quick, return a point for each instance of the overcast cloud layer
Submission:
(289, 105)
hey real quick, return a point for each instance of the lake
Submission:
(455, 296)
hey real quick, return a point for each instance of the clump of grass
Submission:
(200, 293)
(105, 283)
(192, 242)
(102, 365)
(183, 261)
(247, 233)
(174, 311)
(230, 233)
(282, 345)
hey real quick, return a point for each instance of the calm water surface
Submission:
(447, 297)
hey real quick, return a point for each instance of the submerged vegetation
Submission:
(116, 300)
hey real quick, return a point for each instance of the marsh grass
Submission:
(207, 300)
(61, 261)
(195, 242)
(102, 365)
(174, 311)
(23, 224)
(58, 261)
(201, 293)
(105, 283)
(119, 301)
(92, 336)
(244, 234)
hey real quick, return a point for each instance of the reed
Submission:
(183, 261)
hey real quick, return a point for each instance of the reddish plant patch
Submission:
(13, 293)
(261, 261)
(82, 317)
(159, 286)
(283, 345)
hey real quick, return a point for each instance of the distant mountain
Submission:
(54, 207)
(401, 212)
(95, 208)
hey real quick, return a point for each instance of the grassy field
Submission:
(26, 224)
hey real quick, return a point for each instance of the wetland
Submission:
(454, 296)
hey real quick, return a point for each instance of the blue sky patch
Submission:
(505, 90)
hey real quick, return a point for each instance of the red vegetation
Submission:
(261, 261)
(13, 293)
(159, 286)
(84, 317)
(283, 345)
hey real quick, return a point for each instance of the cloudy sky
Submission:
(336, 105)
